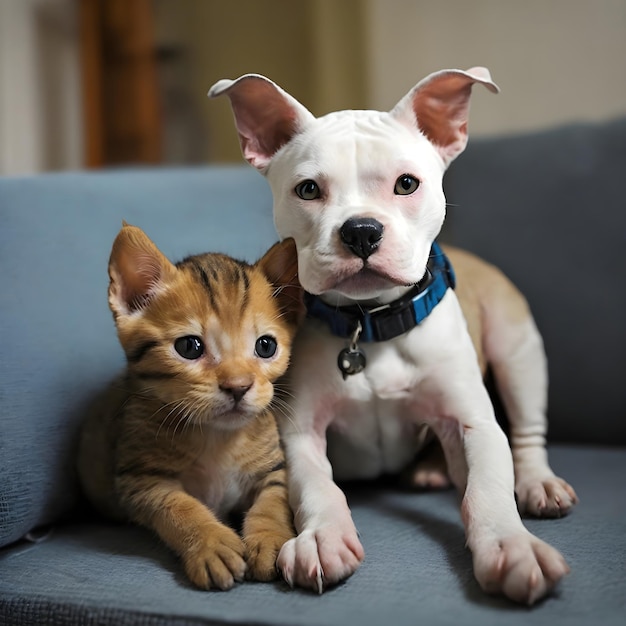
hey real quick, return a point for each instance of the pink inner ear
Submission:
(440, 106)
(265, 116)
(442, 112)
(134, 275)
(263, 136)
(442, 125)
(140, 284)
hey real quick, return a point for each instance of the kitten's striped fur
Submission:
(182, 439)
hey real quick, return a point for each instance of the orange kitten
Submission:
(188, 435)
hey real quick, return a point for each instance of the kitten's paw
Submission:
(521, 566)
(261, 553)
(217, 561)
(316, 559)
(547, 497)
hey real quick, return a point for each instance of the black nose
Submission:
(362, 235)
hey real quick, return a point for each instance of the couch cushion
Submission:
(548, 208)
(57, 339)
(416, 569)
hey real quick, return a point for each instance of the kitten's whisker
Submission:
(286, 410)
(192, 420)
(187, 412)
(283, 390)
(177, 405)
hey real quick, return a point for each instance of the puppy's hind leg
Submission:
(514, 350)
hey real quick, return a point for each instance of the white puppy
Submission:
(388, 354)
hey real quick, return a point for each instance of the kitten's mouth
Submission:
(234, 421)
(231, 418)
(226, 412)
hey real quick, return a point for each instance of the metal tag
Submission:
(351, 360)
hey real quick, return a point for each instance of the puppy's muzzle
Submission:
(362, 235)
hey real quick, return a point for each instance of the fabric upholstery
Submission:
(57, 339)
(548, 209)
(416, 571)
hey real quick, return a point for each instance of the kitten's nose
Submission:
(362, 235)
(236, 388)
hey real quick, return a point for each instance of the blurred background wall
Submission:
(97, 83)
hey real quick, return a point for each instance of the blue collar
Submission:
(381, 323)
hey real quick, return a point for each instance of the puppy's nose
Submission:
(362, 235)
(237, 389)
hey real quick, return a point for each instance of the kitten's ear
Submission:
(137, 269)
(280, 266)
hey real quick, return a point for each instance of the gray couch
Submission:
(548, 208)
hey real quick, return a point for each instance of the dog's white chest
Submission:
(373, 431)
(371, 422)
(374, 420)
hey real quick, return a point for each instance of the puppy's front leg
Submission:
(327, 548)
(507, 558)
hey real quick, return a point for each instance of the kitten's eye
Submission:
(266, 346)
(406, 185)
(189, 347)
(308, 190)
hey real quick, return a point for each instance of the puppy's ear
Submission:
(266, 117)
(137, 270)
(280, 266)
(439, 105)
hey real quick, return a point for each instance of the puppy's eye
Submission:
(266, 346)
(308, 190)
(189, 347)
(406, 185)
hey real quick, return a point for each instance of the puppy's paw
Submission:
(545, 497)
(428, 477)
(522, 567)
(429, 471)
(216, 561)
(261, 553)
(317, 559)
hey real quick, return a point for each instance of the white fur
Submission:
(429, 376)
